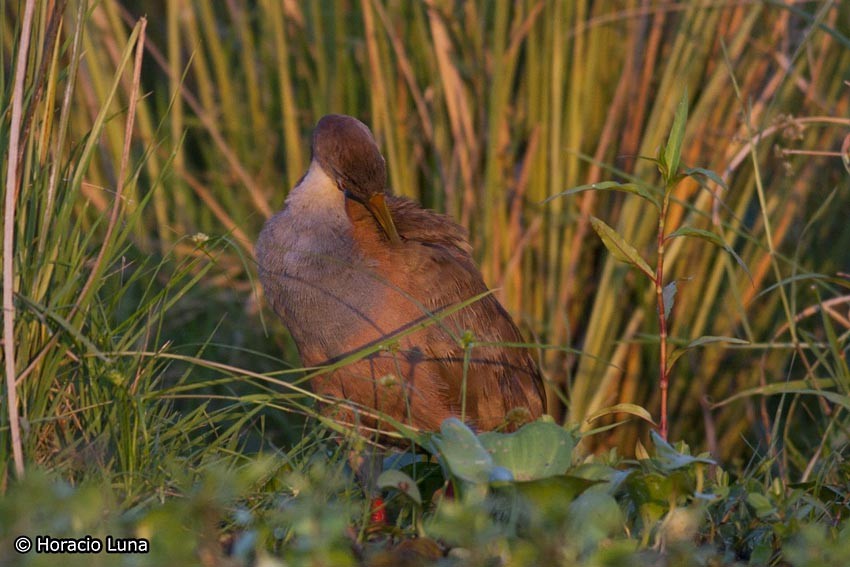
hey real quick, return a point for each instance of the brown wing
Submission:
(437, 255)
(427, 226)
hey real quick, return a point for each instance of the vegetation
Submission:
(148, 394)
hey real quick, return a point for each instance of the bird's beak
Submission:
(378, 207)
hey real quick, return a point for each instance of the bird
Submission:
(348, 265)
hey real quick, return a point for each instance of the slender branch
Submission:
(12, 182)
(664, 376)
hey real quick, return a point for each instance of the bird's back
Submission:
(434, 272)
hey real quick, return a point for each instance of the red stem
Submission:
(662, 320)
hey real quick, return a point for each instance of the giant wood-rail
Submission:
(348, 265)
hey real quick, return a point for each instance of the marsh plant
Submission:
(146, 394)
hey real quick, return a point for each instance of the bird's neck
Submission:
(316, 194)
(315, 212)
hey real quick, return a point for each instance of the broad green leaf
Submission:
(692, 171)
(537, 450)
(401, 482)
(594, 516)
(462, 452)
(632, 188)
(761, 504)
(710, 237)
(501, 475)
(554, 492)
(673, 148)
(632, 409)
(698, 233)
(670, 459)
(614, 478)
(621, 249)
(668, 294)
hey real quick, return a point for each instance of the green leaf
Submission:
(401, 482)
(709, 339)
(594, 516)
(704, 340)
(803, 387)
(673, 148)
(537, 450)
(552, 493)
(621, 249)
(668, 295)
(604, 428)
(698, 233)
(632, 409)
(693, 171)
(45, 312)
(462, 452)
(500, 476)
(670, 459)
(761, 504)
(632, 188)
(715, 239)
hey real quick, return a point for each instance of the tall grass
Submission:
(484, 110)
(94, 384)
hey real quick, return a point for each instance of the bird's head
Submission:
(346, 150)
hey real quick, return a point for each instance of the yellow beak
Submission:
(378, 207)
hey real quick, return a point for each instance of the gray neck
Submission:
(315, 216)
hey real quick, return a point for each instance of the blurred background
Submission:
(139, 319)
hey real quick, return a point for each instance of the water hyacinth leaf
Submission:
(501, 475)
(673, 148)
(399, 481)
(668, 295)
(594, 516)
(671, 459)
(462, 452)
(537, 450)
(550, 494)
(633, 188)
(632, 409)
(620, 249)
(714, 239)
(613, 477)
